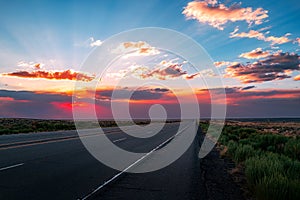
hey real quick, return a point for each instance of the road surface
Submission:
(57, 166)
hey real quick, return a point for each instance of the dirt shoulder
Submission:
(222, 179)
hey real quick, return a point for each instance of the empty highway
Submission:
(56, 165)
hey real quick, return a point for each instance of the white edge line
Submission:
(130, 166)
(12, 166)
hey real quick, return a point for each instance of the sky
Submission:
(253, 45)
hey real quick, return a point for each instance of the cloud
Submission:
(138, 94)
(250, 34)
(297, 78)
(33, 104)
(168, 72)
(254, 102)
(35, 96)
(139, 48)
(192, 76)
(241, 102)
(217, 15)
(277, 66)
(260, 36)
(255, 54)
(30, 65)
(224, 63)
(164, 70)
(248, 87)
(95, 43)
(298, 41)
(277, 40)
(52, 75)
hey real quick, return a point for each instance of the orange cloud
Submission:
(255, 54)
(139, 48)
(217, 15)
(37, 66)
(192, 76)
(137, 45)
(59, 75)
(260, 36)
(277, 66)
(297, 78)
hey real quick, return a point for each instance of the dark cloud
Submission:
(277, 66)
(35, 96)
(161, 90)
(140, 94)
(256, 103)
(248, 87)
(33, 105)
(171, 71)
(240, 102)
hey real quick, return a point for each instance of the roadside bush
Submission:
(245, 132)
(271, 188)
(232, 146)
(277, 187)
(243, 152)
(204, 126)
(273, 176)
(258, 167)
(270, 142)
(292, 148)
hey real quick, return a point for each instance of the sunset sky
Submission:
(255, 45)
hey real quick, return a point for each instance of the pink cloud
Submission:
(255, 54)
(217, 15)
(260, 36)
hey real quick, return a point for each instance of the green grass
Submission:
(15, 126)
(271, 161)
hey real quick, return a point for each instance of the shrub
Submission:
(232, 146)
(277, 187)
(245, 132)
(292, 148)
(243, 152)
(258, 167)
(270, 142)
(271, 188)
(273, 176)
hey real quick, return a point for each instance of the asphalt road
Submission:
(57, 166)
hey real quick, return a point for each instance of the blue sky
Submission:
(46, 29)
(58, 35)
